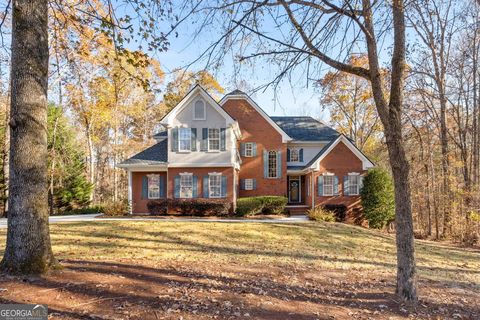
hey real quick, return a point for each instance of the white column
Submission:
(130, 192)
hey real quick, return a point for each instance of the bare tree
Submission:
(309, 33)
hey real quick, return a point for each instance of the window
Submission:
(214, 185)
(353, 184)
(153, 186)
(184, 139)
(328, 182)
(248, 149)
(272, 164)
(199, 110)
(213, 139)
(248, 184)
(308, 186)
(186, 186)
(294, 155)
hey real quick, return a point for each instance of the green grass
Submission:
(318, 245)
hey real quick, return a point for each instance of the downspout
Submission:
(130, 203)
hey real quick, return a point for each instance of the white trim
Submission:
(186, 173)
(214, 174)
(285, 136)
(130, 193)
(208, 140)
(143, 168)
(251, 149)
(333, 186)
(200, 165)
(366, 164)
(328, 174)
(353, 174)
(204, 110)
(168, 119)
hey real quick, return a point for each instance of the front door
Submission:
(294, 189)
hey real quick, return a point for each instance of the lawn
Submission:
(193, 270)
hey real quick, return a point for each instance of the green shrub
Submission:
(195, 207)
(273, 204)
(116, 208)
(257, 205)
(249, 206)
(87, 210)
(321, 214)
(378, 199)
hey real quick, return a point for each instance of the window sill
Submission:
(213, 151)
(186, 151)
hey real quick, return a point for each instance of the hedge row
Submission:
(261, 205)
(196, 207)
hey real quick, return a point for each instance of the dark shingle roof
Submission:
(156, 154)
(236, 91)
(306, 129)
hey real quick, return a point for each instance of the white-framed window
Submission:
(328, 182)
(214, 185)
(272, 164)
(186, 185)
(353, 184)
(199, 110)
(294, 155)
(213, 139)
(184, 139)
(248, 184)
(153, 186)
(248, 149)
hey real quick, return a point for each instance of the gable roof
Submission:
(154, 155)
(313, 164)
(237, 94)
(306, 128)
(197, 89)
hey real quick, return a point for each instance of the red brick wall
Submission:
(256, 129)
(340, 161)
(200, 173)
(139, 205)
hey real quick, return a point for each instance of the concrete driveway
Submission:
(91, 217)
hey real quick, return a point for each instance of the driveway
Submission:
(92, 217)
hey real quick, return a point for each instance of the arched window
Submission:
(272, 164)
(199, 110)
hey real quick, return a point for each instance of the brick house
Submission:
(232, 148)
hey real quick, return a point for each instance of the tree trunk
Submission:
(91, 161)
(28, 248)
(6, 155)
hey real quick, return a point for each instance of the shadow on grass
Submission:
(145, 289)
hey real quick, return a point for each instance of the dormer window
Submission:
(199, 110)
(294, 155)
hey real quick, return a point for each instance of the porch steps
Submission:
(296, 210)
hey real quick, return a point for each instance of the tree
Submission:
(184, 81)
(378, 200)
(71, 189)
(28, 248)
(314, 30)
(349, 100)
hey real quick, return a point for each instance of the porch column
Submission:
(129, 197)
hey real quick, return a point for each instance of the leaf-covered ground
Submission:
(192, 270)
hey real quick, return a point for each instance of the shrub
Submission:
(88, 210)
(249, 206)
(197, 207)
(115, 208)
(264, 204)
(378, 199)
(157, 207)
(321, 214)
(273, 204)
